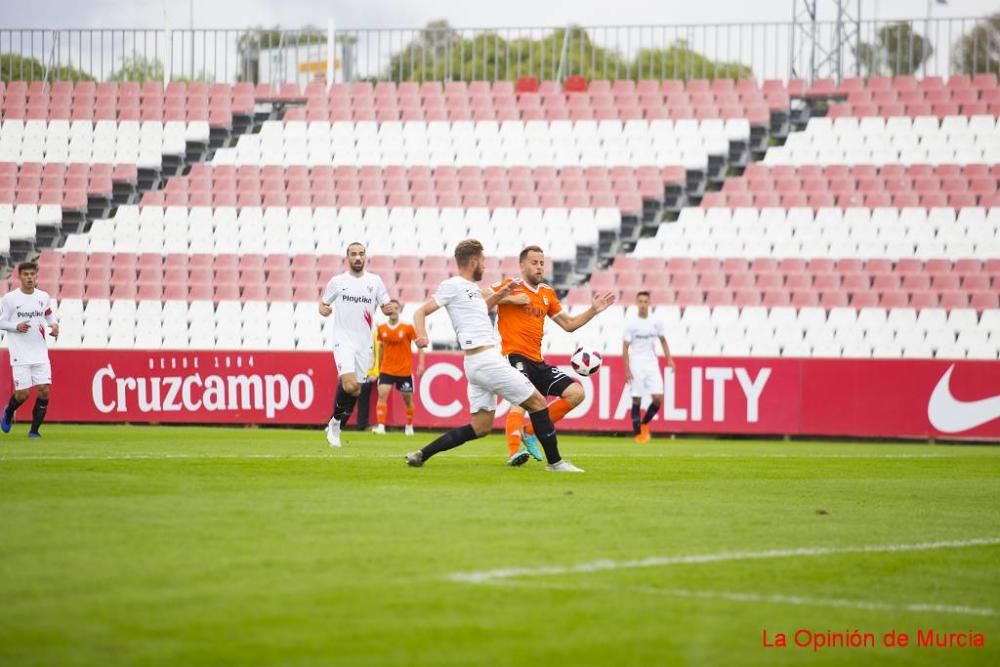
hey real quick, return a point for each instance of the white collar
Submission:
(534, 290)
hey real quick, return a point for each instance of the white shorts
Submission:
(27, 376)
(647, 378)
(349, 359)
(490, 375)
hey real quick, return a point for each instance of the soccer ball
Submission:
(585, 362)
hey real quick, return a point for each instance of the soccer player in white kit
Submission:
(487, 372)
(24, 314)
(642, 369)
(352, 297)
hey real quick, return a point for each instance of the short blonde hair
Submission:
(467, 250)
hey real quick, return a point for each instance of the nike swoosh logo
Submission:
(950, 415)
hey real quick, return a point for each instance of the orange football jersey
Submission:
(521, 326)
(397, 355)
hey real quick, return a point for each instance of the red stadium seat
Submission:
(894, 299)
(916, 282)
(690, 297)
(950, 300)
(719, 297)
(865, 300)
(747, 297)
(975, 282)
(856, 282)
(987, 300)
(834, 300)
(920, 300)
(945, 282)
(774, 298)
(742, 280)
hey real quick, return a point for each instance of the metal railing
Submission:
(759, 50)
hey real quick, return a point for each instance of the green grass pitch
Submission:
(197, 546)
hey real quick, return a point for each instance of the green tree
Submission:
(15, 67)
(680, 61)
(441, 53)
(67, 73)
(869, 57)
(979, 51)
(140, 69)
(897, 49)
(583, 57)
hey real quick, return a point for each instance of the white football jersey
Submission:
(354, 300)
(641, 334)
(463, 299)
(31, 346)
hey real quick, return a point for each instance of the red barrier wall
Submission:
(828, 397)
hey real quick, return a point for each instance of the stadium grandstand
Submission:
(846, 217)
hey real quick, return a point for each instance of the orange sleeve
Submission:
(499, 285)
(554, 306)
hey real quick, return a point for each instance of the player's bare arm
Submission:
(486, 293)
(495, 297)
(54, 330)
(598, 305)
(421, 361)
(20, 327)
(420, 324)
(628, 372)
(325, 309)
(515, 300)
(666, 353)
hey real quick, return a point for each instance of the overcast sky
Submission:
(415, 13)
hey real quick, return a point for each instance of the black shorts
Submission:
(404, 383)
(548, 380)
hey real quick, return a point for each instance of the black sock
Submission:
(364, 406)
(13, 404)
(651, 412)
(343, 405)
(38, 414)
(545, 431)
(450, 440)
(635, 418)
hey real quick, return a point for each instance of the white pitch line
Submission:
(340, 455)
(756, 598)
(169, 457)
(487, 576)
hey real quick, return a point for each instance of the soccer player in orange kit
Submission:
(520, 321)
(396, 370)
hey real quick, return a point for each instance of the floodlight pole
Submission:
(168, 45)
(191, 21)
(331, 52)
(818, 59)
